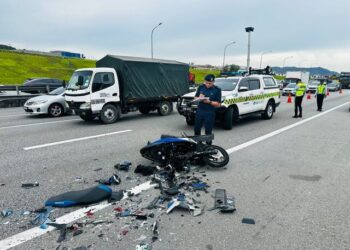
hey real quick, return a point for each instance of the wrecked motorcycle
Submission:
(179, 152)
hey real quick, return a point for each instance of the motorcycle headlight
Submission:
(86, 105)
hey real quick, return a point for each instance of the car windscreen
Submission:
(226, 84)
(80, 80)
(314, 83)
(290, 80)
(57, 91)
(291, 85)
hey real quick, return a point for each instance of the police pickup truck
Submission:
(241, 96)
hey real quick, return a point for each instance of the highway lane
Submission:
(56, 167)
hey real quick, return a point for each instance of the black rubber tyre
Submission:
(55, 110)
(144, 110)
(190, 120)
(268, 113)
(164, 108)
(218, 160)
(228, 118)
(110, 114)
(87, 118)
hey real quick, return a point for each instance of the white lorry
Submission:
(122, 84)
(241, 96)
(293, 76)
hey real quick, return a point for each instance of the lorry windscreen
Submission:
(226, 84)
(79, 80)
(290, 80)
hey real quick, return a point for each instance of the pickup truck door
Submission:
(256, 93)
(104, 89)
(244, 104)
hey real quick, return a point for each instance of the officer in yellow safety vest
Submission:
(299, 94)
(321, 94)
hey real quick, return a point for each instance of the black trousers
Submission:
(204, 117)
(297, 105)
(320, 98)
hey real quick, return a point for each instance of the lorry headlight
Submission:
(85, 105)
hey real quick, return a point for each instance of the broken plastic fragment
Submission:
(143, 246)
(248, 221)
(30, 185)
(7, 212)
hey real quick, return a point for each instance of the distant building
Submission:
(67, 54)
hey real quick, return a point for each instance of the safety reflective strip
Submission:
(250, 98)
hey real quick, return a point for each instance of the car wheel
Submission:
(164, 108)
(110, 114)
(268, 113)
(55, 110)
(228, 118)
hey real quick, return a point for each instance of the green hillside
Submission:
(16, 67)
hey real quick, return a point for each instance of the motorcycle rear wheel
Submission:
(218, 160)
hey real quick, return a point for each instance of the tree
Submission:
(6, 47)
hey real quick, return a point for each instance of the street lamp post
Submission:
(223, 61)
(249, 30)
(262, 57)
(152, 39)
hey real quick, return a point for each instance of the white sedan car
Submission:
(52, 104)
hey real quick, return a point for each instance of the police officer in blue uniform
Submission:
(209, 97)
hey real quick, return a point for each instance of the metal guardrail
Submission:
(28, 89)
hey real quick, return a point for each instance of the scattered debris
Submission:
(42, 218)
(248, 221)
(2, 184)
(6, 213)
(145, 170)
(155, 232)
(30, 185)
(98, 169)
(89, 213)
(226, 205)
(113, 180)
(123, 166)
(143, 246)
(116, 196)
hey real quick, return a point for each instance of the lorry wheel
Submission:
(228, 118)
(56, 110)
(110, 114)
(144, 110)
(190, 120)
(164, 108)
(87, 118)
(268, 113)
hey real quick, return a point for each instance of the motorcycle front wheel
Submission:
(218, 159)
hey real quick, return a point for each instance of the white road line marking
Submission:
(30, 234)
(281, 130)
(39, 123)
(75, 140)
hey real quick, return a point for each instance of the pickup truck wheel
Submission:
(144, 110)
(56, 110)
(268, 113)
(110, 114)
(228, 118)
(164, 108)
(190, 120)
(87, 118)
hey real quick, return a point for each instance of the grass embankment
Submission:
(201, 73)
(16, 67)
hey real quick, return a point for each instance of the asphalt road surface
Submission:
(291, 176)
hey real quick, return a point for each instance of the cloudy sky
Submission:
(300, 33)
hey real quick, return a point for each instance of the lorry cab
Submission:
(90, 88)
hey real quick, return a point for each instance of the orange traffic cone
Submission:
(327, 92)
(289, 98)
(308, 97)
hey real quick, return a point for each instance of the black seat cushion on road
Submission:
(81, 197)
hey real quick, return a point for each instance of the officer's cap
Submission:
(210, 78)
